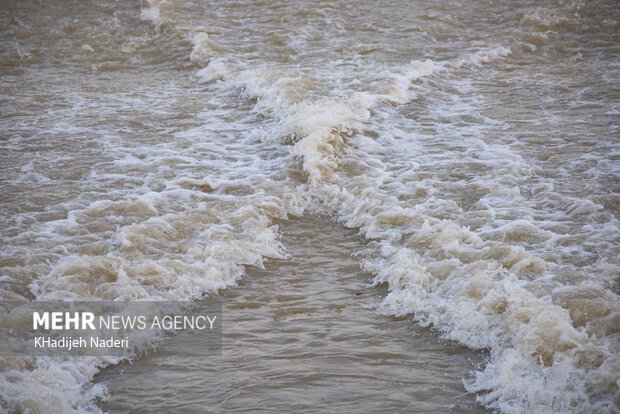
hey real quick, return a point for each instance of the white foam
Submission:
(204, 47)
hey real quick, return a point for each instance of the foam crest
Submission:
(203, 48)
(482, 57)
(397, 90)
(59, 380)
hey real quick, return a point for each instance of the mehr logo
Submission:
(86, 320)
(63, 320)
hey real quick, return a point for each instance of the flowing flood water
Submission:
(300, 336)
(405, 206)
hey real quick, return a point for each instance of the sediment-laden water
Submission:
(300, 336)
(465, 156)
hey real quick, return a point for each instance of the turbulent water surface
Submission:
(466, 153)
(300, 338)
